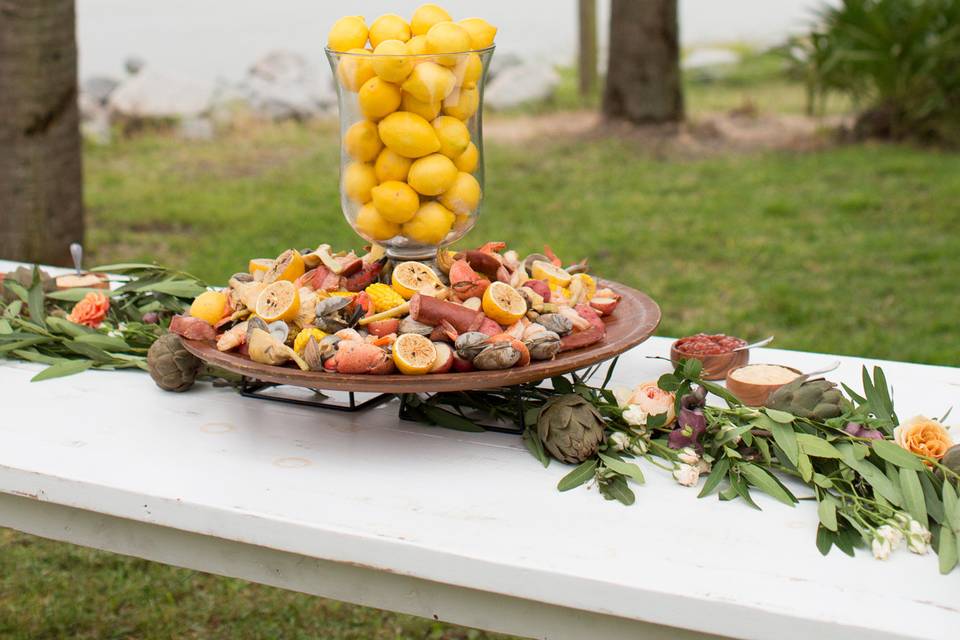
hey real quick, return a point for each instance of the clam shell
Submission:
(543, 346)
(556, 323)
(470, 344)
(495, 357)
(409, 325)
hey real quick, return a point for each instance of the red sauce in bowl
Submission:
(703, 344)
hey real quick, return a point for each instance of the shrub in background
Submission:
(899, 60)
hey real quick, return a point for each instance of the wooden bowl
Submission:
(752, 394)
(715, 366)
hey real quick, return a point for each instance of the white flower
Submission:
(686, 475)
(688, 456)
(639, 447)
(918, 538)
(703, 466)
(881, 548)
(892, 535)
(620, 441)
(635, 416)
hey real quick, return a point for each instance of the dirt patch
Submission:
(738, 130)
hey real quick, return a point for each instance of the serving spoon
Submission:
(757, 344)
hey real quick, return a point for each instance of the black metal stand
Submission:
(256, 389)
(412, 414)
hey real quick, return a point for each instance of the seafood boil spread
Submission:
(484, 309)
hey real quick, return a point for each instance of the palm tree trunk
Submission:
(643, 71)
(41, 182)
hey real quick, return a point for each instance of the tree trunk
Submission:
(41, 181)
(587, 58)
(643, 71)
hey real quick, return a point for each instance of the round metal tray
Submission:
(635, 319)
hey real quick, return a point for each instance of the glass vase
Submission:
(411, 147)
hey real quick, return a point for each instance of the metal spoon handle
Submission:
(823, 371)
(756, 345)
(76, 252)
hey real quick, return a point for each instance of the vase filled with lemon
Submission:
(411, 98)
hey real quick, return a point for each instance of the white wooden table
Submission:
(466, 528)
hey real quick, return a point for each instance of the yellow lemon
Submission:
(469, 159)
(389, 26)
(429, 82)
(468, 70)
(463, 196)
(391, 61)
(541, 270)
(426, 110)
(288, 266)
(259, 265)
(348, 33)
(482, 33)
(462, 104)
(395, 201)
(412, 277)
(461, 222)
(432, 175)
(414, 354)
(373, 226)
(359, 179)
(453, 135)
(448, 38)
(378, 98)
(391, 166)
(425, 17)
(362, 141)
(408, 135)
(503, 304)
(355, 68)
(430, 225)
(418, 47)
(278, 301)
(209, 306)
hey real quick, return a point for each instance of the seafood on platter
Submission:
(484, 309)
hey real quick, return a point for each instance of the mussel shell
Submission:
(242, 277)
(331, 305)
(330, 324)
(469, 344)
(543, 346)
(556, 323)
(409, 325)
(497, 356)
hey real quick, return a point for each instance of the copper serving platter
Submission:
(635, 320)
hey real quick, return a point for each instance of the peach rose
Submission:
(91, 310)
(924, 437)
(653, 400)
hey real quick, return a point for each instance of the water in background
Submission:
(221, 38)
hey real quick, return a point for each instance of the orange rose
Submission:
(91, 310)
(653, 400)
(924, 437)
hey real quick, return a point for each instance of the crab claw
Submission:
(465, 282)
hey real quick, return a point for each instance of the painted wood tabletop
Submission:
(465, 510)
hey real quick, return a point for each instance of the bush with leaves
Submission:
(899, 60)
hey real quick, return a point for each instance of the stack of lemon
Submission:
(411, 156)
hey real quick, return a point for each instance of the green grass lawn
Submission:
(852, 250)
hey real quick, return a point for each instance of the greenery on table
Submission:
(870, 492)
(34, 324)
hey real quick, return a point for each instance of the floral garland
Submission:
(878, 482)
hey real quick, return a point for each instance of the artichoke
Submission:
(570, 427)
(812, 399)
(951, 459)
(171, 366)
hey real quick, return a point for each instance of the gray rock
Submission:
(520, 84)
(283, 85)
(153, 94)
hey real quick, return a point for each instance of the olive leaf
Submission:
(622, 467)
(827, 512)
(616, 488)
(581, 474)
(717, 474)
(913, 499)
(66, 368)
(766, 482)
(897, 455)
